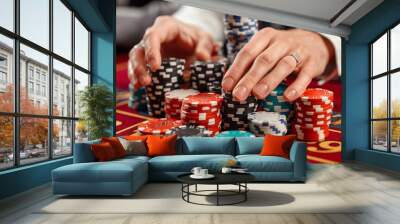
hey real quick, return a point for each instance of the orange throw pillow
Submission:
(161, 145)
(103, 152)
(277, 145)
(116, 145)
(136, 138)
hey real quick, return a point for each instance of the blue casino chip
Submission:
(235, 133)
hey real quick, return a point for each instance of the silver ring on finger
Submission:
(296, 57)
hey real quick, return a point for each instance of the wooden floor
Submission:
(379, 189)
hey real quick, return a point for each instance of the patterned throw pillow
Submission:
(134, 147)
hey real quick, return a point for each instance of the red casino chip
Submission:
(201, 99)
(313, 107)
(174, 99)
(200, 109)
(208, 122)
(312, 119)
(158, 126)
(199, 116)
(317, 95)
(313, 114)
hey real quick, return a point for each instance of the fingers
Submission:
(205, 47)
(284, 67)
(297, 88)
(261, 66)
(246, 56)
(164, 29)
(137, 67)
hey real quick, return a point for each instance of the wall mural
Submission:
(188, 93)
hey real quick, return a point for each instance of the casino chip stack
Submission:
(262, 123)
(313, 114)
(137, 99)
(165, 79)
(238, 31)
(275, 102)
(203, 109)
(235, 134)
(158, 126)
(234, 113)
(189, 130)
(173, 102)
(206, 76)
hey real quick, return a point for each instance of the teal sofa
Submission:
(125, 176)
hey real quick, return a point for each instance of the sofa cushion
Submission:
(277, 145)
(116, 145)
(83, 153)
(185, 163)
(161, 145)
(112, 171)
(134, 147)
(206, 145)
(104, 152)
(257, 163)
(249, 145)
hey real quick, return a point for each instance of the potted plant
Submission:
(96, 103)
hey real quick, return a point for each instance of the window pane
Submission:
(81, 81)
(395, 94)
(379, 135)
(62, 138)
(81, 45)
(379, 97)
(62, 29)
(34, 97)
(81, 132)
(7, 14)
(395, 135)
(33, 139)
(379, 56)
(62, 89)
(395, 47)
(35, 21)
(6, 142)
(6, 74)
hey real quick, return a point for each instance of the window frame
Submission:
(388, 74)
(16, 114)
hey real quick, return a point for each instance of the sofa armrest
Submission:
(83, 152)
(298, 155)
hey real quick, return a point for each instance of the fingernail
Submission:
(261, 89)
(291, 94)
(240, 92)
(227, 83)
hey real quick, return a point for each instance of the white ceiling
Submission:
(321, 9)
(326, 16)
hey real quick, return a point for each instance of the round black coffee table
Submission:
(238, 179)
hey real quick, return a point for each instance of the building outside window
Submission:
(57, 127)
(30, 87)
(385, 94)
(3, 72)
(30, 72)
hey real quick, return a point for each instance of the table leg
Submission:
(188, 189)
(245, 193)
(217, 194)
(196, 187)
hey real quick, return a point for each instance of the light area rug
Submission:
(166, 198)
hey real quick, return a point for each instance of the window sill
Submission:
(30, 166)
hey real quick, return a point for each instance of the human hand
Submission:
(168, 37)
(271, 55)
